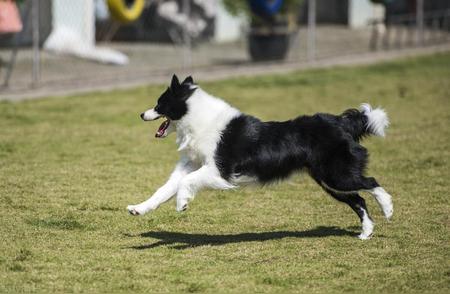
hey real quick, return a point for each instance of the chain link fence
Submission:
(70, 43)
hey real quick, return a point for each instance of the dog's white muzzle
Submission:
(150, 114)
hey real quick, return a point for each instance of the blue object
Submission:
(266, 8)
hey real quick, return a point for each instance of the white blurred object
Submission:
(210, 7)
(170, 11)
(64, 40)
(362, 12)
(228, 28)
(74, 33)
(101, 10)
(379, 13)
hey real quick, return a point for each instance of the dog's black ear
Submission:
(175, 82)
(188, 80)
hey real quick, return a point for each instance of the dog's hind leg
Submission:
(205, 177)
(358, 204)
(384, 200)
(361, 183)
(164, 193)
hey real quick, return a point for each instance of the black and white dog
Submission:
(223, 148)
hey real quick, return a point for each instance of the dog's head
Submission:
(172, 105)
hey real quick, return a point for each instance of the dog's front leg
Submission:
(204, 177)
(165, 192)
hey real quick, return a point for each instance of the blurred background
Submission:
(64, 46)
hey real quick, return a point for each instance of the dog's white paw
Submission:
(388, 210)
(134, 210)
(182, 204)
(367, 228)
(384, 200)
(364, 236)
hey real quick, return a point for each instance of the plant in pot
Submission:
(272, 24)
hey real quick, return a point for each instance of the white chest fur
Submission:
(200, 130)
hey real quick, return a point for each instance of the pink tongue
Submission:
(162, 128)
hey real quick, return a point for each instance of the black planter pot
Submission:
(268, 46)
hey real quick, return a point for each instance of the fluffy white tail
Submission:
(377, 119)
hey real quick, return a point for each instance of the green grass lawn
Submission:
(70, 166)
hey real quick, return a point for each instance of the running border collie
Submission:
(222, 148)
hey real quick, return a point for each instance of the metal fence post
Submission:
(311, 47)
(187, 45)
(419, 22)
(36, 51)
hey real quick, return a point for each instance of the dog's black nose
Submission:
(142, 115)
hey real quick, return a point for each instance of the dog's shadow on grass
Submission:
(177, 240)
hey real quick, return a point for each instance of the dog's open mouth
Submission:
(162, 131)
